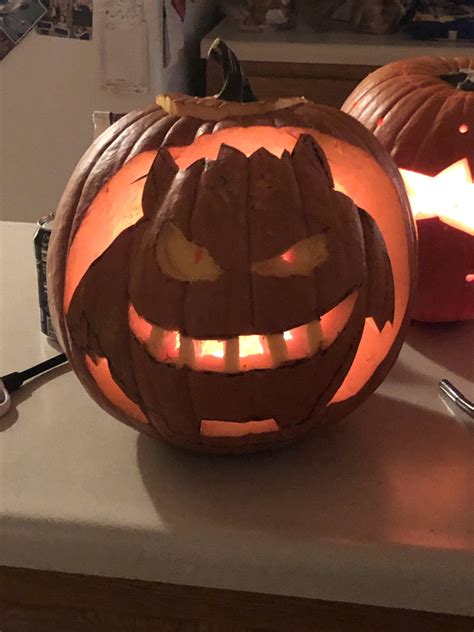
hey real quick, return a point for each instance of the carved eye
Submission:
(182, 259)
(300, 259)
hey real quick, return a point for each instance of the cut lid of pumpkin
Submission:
(214, 109)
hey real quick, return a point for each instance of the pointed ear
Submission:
(380, 286)
(158, 182)
(308, 152)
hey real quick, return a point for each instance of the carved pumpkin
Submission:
(230, 275)
(422, 111)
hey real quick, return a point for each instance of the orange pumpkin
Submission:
(422, 111)
(230, 275)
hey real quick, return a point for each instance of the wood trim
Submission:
(44, 600)
(322, 91)
(328, 84)
(345, 72)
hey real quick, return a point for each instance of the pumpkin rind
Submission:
(150, 130)
(415, 114)
(213, 110)
(426, 123)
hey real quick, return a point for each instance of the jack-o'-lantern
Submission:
(422, 111)
(230, 275)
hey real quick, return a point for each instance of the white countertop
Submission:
(304, 45)
(377, 509)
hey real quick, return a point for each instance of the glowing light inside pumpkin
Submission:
(216, 428)
(288, 256)
(212, 347)
(242, 353)
(140, 327)
(250, 345)
(171, 343)
(248, 141)
(448, 195)
(334, 321)
(352, 170)
(115, 208)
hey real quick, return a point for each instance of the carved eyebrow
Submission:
(299, 260)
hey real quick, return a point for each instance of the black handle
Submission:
(13, 381)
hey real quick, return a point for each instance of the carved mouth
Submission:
(242, 353)
(216, 428)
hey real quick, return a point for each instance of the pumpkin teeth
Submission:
(277, 348)
(231, 362)
(242, 353)
(186, 352)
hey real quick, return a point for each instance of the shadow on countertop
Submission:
(440, 342)
(390, 472)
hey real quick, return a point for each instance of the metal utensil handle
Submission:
(5, 400)
(457, 397)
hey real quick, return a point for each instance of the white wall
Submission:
(49, 88)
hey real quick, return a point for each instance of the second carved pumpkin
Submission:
(422, 111)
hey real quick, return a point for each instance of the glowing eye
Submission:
(300, 259)
(463, 129)
(288, 256)
(182, 259)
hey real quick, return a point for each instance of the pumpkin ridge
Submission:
(365, 90)
(151, 139)
(414, 114)
(389, 113)
(182, 132)
(91, 186)
(250, 257)
(433, 125)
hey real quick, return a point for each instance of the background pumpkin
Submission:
(422, 111)
(142, 177)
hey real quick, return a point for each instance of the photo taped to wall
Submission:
(17, 17)
(67, 18)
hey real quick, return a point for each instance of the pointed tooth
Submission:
(315, 336)
(155, 342)
(277, 348)
(186, 352)
(231, 358)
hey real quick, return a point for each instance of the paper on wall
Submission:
(17, 18)
(124, 47)
(67, 18)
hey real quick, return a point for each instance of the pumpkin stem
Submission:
(462, 80)
(236, 85)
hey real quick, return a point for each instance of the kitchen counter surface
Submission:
(377, 509)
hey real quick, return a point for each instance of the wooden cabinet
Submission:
(324, 66)
(45, 601)
(328, 84)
